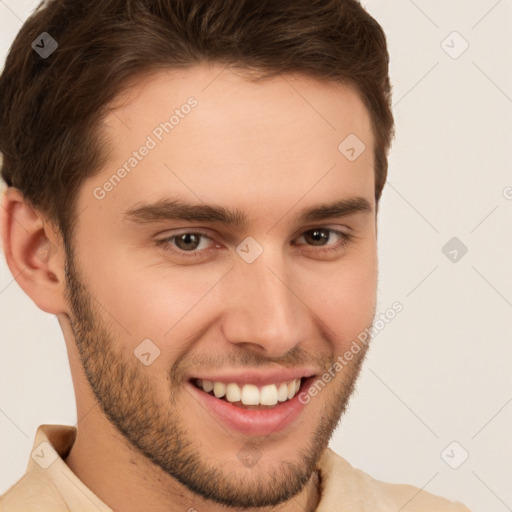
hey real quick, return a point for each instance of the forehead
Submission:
(228, 97)
(216, 136)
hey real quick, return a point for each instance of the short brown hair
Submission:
(51, 108)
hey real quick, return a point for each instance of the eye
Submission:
(319, 237)
(188, 242)
(194, 243)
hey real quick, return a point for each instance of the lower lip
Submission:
(254, 422)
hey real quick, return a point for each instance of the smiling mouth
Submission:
(250, 396)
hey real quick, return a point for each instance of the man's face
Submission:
(257, 302)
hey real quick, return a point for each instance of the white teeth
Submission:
(249, 394)
(233, 393)
(282, 392)
(268, 395)
(291, 389)
(219, 389)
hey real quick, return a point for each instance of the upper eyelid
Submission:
(206, 231)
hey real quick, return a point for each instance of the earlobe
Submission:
(33, 252)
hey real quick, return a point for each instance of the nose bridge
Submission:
(264, 309)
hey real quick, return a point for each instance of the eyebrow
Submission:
(169, 209)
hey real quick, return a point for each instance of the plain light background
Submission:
(440, 371)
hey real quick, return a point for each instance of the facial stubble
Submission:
(155, 429)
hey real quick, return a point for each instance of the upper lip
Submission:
(257, 378)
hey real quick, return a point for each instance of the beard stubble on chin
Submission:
(155, 427)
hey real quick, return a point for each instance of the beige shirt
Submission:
(49, 485)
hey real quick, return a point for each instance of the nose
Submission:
(264, 308)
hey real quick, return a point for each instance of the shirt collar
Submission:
(51, 446)
(53, 443)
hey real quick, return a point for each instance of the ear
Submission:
(34, 252)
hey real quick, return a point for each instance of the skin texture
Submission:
(268, 149)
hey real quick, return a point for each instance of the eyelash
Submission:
(345, 238)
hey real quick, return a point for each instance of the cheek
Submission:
(155, 305)
(344, 297)
(154, 301)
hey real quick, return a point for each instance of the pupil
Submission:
(186, 237)
(319, 235)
